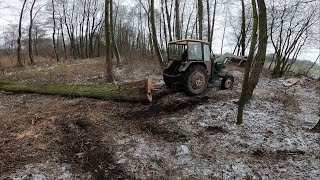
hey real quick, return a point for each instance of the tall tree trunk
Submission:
(109, 69)
(63, 40)
(213, 21)
(244, 93)
(54, 32)
(30, 33)
(164, 23)
(208, 21)
(177, 8)
(200, 16)
(35, 43)
(19, 59)
(262, 49)
(223, 35)
(154, 34)
(243, 29)
(113, 42)
(168, 20)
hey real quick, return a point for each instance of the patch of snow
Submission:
(267, 126)
(182, 150)
(43, 171)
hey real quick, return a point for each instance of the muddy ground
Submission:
(176, 137)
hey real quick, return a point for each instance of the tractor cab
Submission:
(182, 53)
(192, 65)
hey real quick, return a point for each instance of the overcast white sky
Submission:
(10, 9)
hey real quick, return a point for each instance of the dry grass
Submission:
(287, 99)
(81, 71)
(11, 61)
(42, 127)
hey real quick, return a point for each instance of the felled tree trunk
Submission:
(135, 91)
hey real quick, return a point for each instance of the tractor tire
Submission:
(227, 82)
(196, 80)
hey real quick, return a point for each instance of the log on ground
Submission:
(134, 91)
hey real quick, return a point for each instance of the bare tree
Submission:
(154, 34)
(19, 60)
(109, 69)
(168, 13)
(211, 22)
(114, 44)
(178, 31)
(30, 33)
(289, 30)
(252, 73)
(243, 29)
(200, 17)
(54, 31)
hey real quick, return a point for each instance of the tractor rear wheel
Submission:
(227, 82)
(196, 80)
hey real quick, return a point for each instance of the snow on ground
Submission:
(43, 171)
(273, 143)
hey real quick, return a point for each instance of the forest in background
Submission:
(60, 29)
(71, 50)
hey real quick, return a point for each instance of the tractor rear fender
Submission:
(186, 66)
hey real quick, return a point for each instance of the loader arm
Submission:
(222, 58)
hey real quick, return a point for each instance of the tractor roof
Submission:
(188, 41)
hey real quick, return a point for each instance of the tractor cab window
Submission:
(206, 52)
(176, 51)
(194, 52)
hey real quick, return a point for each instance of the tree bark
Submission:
(178, 31)
(54, 32)
(114, 43)
(200, 16)
(168, 20)
(135, 91)
(244, 93)
(30, 33)
(262, 49)
(213, 22)
(243, 29)
(208, 21)
(19, 59)
(109, 69)
(154, 34)
(63, 40)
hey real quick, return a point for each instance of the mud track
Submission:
(81, 145)
(148, 117)
(80, 131)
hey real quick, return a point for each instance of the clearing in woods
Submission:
(176, 136)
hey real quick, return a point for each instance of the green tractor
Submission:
(192, 65)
